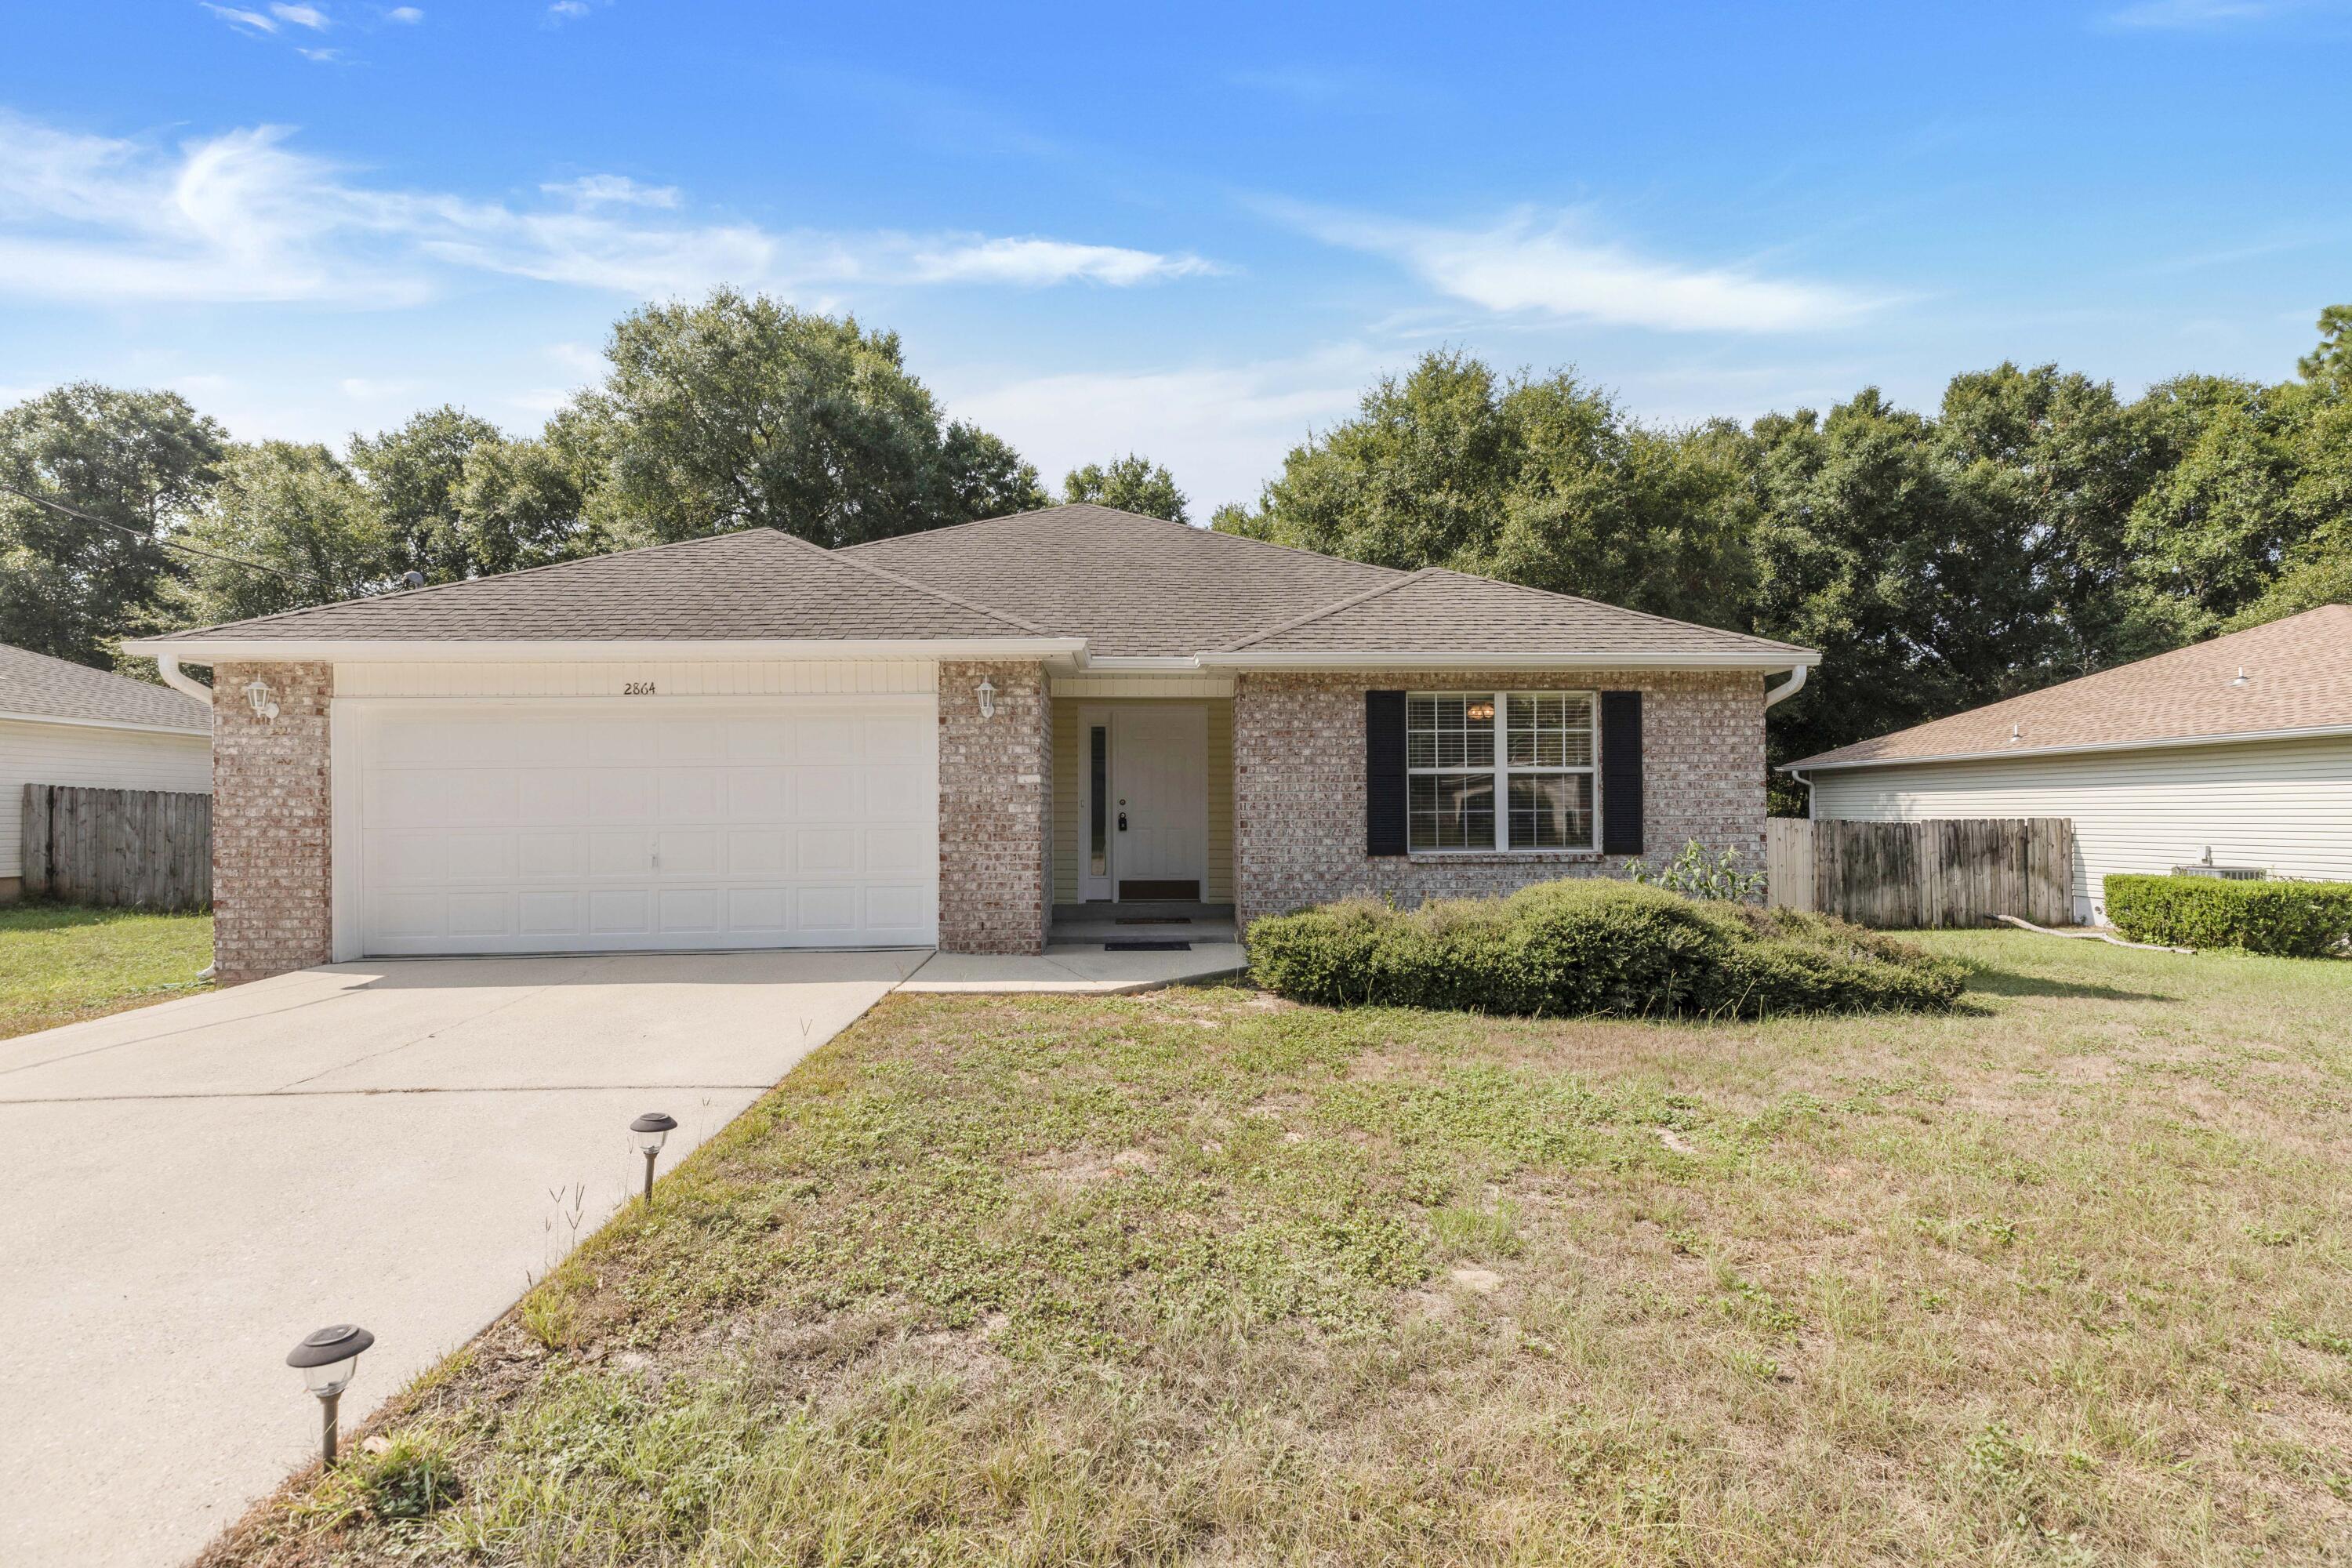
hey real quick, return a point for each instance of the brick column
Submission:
(995, 809)
(271, 827)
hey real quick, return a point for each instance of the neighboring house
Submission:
(2237, 752)
(747, 741)
(66, 724)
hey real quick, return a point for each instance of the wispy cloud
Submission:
(1221, 427)
(564, 11)
(245, 216)
(1556, 268)
(2192, 16)
(409, 16)
(309, 16)
(595, 190)
(253, 21)
(975, 259)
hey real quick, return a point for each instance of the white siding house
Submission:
(2237, 751)
(2285, 806)
(64, 723)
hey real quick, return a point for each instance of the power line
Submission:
(76, 511)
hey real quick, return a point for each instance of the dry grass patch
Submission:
(1188, 1277)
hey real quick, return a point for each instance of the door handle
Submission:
(1122, 822)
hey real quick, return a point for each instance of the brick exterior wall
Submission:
(271, 829)
(995, 809)
(1299, 784)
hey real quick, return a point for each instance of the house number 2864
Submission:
(637, 689)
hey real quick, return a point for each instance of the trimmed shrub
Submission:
(2286, 919)
(1592, 947)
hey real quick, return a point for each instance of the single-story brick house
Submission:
(943, 739)
(66, 724)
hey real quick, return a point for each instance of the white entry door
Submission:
(1159, 789)
(596, 825)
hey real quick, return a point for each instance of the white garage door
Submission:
(604, 826)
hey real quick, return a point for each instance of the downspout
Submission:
(1790, 688)
(168, 665)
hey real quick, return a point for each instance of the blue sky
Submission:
(1195, 231)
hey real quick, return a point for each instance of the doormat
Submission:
(1153, 920)
(1146, 947)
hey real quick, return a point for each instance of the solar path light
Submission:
(326, 1358)
(652, 1129)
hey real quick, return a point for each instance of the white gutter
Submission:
(168, 665)
(1789, 688)
(1405, 659)
(2238, 738)
(194, 731)
(167, 652)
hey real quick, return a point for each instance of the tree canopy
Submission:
(1133, 483)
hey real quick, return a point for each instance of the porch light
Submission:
(987, 698)
(258, 696)
(652, 1129)
(327, 1359)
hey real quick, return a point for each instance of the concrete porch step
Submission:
(1093, 932)
(1107, 911)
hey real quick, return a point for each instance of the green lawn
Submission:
(1201, 1276)
(60, 964)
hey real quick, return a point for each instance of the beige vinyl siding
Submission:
(2283, 806)
(35, 752)
(669, 677)
(1070, 795)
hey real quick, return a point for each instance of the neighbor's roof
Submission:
(32, 684)
(1126, 584)
(1437, 612)
(759, 584)
(1129, 584)
(2298, 676)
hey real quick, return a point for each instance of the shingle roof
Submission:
(758, 584)
(2298, 676)
(58, 688)
(1436, 611)
(1128, 585)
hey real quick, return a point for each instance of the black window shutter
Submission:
(1620, 773)
(1384, 772)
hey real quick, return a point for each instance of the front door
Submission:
(1159, 801)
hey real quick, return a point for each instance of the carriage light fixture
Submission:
(987, 698)
(260, 697)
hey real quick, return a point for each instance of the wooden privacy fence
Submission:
(150, 849)
(1960, 872)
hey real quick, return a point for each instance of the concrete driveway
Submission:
(404, 1145)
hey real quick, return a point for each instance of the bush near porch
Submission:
(1589, 948)
(2283, 919)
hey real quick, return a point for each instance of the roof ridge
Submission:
(842, 558)
(1618, 609)
(1333, 609)
(277, 616)
(1208, 531)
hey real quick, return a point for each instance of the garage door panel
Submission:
(545, 795)
(759, 794)
(793, 822)
(689, 795)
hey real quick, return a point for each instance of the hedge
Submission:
(2286, 920)
(1593, 947)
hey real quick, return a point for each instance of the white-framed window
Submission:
(1500, 770)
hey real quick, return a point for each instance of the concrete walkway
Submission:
(1078, 967)
(197, 1185)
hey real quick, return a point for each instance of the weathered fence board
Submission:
(137, 847)
(1897, 875)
